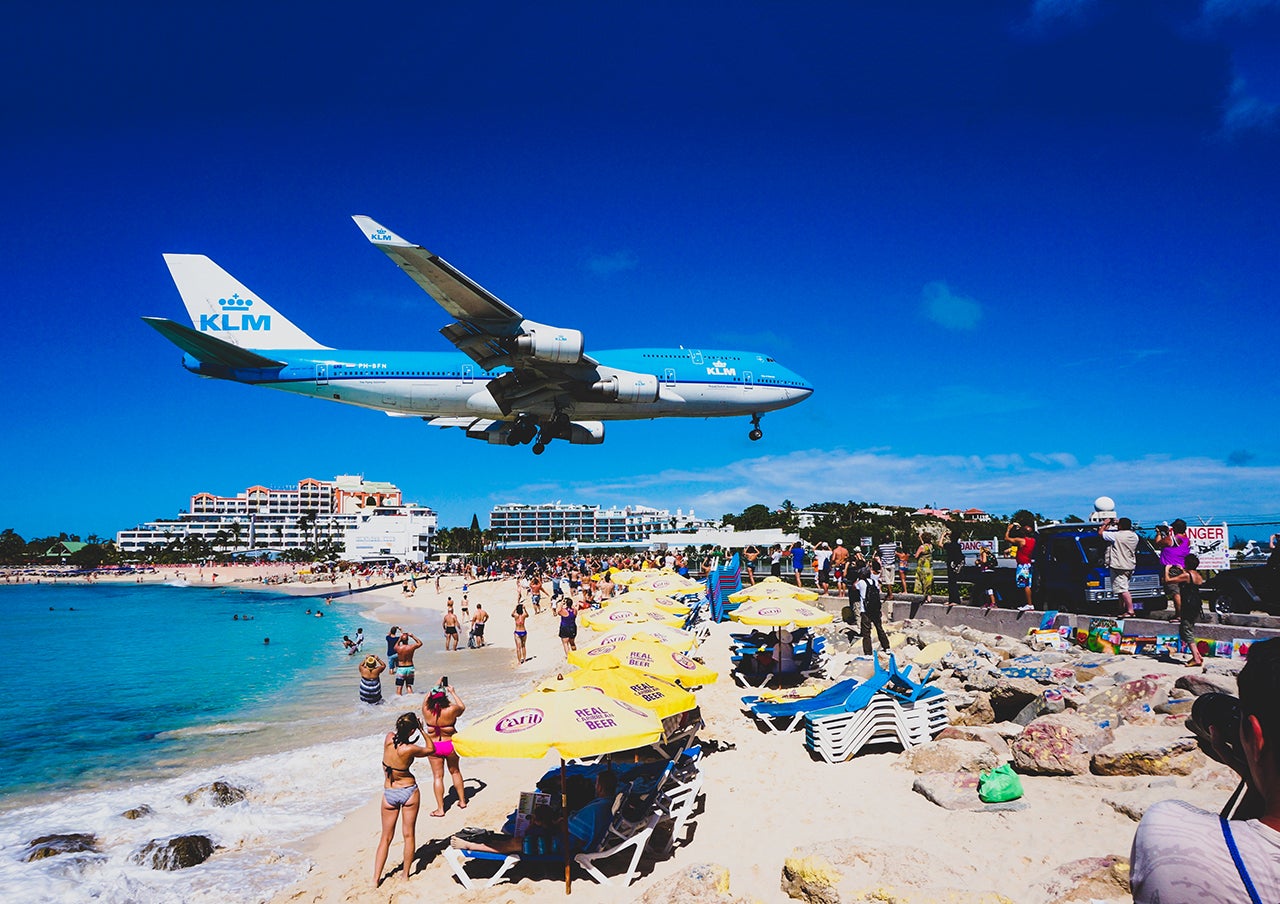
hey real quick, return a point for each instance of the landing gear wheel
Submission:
(539, 448)
(755, 434)
(513, 439)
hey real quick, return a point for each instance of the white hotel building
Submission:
(369, 518)
(516, 525)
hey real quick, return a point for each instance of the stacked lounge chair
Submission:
(890, 706)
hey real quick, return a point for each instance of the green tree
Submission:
(12, 547)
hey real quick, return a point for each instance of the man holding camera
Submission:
(1122, 557)
(1183, 854)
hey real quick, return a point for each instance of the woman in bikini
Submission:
(400, 791)
(440, 711)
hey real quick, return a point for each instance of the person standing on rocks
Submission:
(1122, 557)
(1189, 581)
(1022, 537)
(955, 562)
(1174, 545)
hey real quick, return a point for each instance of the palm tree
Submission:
(236, 529)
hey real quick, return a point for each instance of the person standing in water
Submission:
(440, 711)
(371, 669)
(400, 795)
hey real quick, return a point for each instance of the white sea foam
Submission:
(290, 797)
(221, 728)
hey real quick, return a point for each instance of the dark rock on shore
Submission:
(137, 812)
(220, 794)
(178, 852)
(53, 845)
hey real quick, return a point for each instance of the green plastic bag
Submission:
(999, 785)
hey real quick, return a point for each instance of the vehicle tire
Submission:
(1222, 603)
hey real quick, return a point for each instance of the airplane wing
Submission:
(545, 361)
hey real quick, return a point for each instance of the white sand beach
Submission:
(766, 798)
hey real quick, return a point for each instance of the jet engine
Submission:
(623, 386)
(586, 433)
(552, 344)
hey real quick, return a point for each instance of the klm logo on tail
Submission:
(226, 322)
(381, 235)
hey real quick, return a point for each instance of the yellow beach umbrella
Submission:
(573, 721)
(684, 641)
(668, 582)
(626, 576)
(772, 591)
(653, 598)
(608, 674)
(781, 612)
(653, 659)
(619, 613)
(561, 716)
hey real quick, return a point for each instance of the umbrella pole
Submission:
(564, 812)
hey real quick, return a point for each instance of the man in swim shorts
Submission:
(477, 624)
(450, 625)
(405, 648)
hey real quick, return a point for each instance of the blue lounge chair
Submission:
(793, 712)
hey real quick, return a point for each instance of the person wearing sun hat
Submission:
(371, 669)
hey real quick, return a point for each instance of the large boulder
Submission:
(950, 755)
(1093, 879)
(701, 883)
(986, 734)
(1147, 751)
(219, 794)
(53, 845)
(1200, 683)
(1011, 695)
(959, 791)
(970, 708)
(1059, 744)
(1148, 691)
(812, 879)
(177, 852)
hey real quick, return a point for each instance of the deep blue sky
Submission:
(1026, 251)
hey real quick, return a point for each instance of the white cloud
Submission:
(1242, 10)
(948, 310)
(1054, 483)
(1050, 15)
(609, 264)
(1245, 113)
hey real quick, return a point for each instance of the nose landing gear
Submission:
(756, 433)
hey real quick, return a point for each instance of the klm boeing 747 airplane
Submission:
(514, 381)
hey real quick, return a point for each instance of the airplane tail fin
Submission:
(220, 306)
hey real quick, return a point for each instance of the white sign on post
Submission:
(1210, 543)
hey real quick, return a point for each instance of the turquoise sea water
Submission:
(120, 696)
(140, 676)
